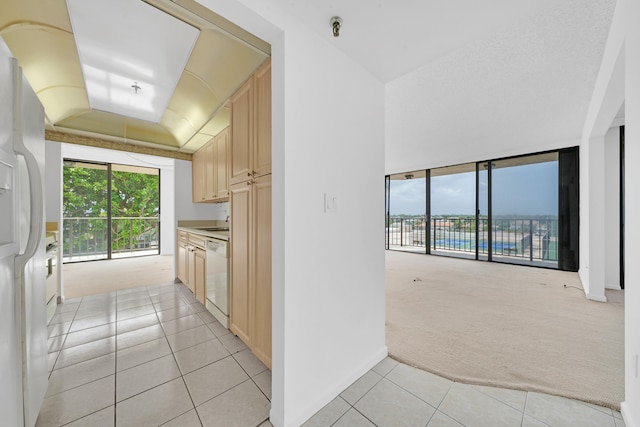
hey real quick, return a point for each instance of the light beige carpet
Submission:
(504, 325)
(95, 277)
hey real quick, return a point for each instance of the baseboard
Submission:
(275, 419)
(626, 416)
(599, 298)
(298, 416)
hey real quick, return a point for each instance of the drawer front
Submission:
(197, 240)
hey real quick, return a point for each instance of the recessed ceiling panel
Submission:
(113, 125)
(50, 63)
(132, 55)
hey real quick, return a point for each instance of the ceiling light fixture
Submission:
(336, 23)
(119, 59)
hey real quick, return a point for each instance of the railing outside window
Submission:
(530, 239)
(87, 238)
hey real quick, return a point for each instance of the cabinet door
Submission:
(182, 262)
(240, 237)
(241, 133)
(209, 170)
(222, 171)
(199, 280)
(262, 122)
(261, 332)
(197, 173)
(191, 269)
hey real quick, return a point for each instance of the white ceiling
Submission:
(392, 37)
(524, 87)
(494, 65)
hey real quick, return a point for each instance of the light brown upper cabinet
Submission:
(222, 165)
(211, 170)
(197, 175)
(251, 127)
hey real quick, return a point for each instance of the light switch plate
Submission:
(330, 203)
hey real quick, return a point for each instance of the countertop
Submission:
(199, 227)
(221, 235)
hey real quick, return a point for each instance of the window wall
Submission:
(524, 209)
(109, 210)
(406, 227)
(520, 210)
(453, 210)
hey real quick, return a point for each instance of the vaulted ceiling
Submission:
(41, 35)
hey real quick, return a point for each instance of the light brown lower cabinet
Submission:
(183, 261)
(251, 265)
(192, 265)
(199, 277)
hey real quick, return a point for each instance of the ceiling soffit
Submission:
(132, 55)
(40, 35)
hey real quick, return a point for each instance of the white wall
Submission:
(53, 198)
(328, 269)
(606, 100)
(631, 406)
(334, 309)
(512, 93)
(53, 182)
(592, 217)
(612, 208)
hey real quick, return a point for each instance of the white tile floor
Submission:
(154, 356)
(147, 357)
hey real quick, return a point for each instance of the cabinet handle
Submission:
(249, 182)
(249, 174)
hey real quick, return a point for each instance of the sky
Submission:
(520, 190)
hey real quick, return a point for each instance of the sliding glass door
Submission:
(85, 211)
(135, 208)
(109, 211)
(524, 210)
(521, 210)
(453, 207)
(406, 226)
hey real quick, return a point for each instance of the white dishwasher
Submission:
(218, 280)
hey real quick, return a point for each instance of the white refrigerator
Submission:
(23, 325)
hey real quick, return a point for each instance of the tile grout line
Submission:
(173, 354)
(62, 344)
(99, 379)
(495, 398)
(115, 368)
(526, 397)
(442, 401)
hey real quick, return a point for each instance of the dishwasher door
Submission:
(217, 283)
